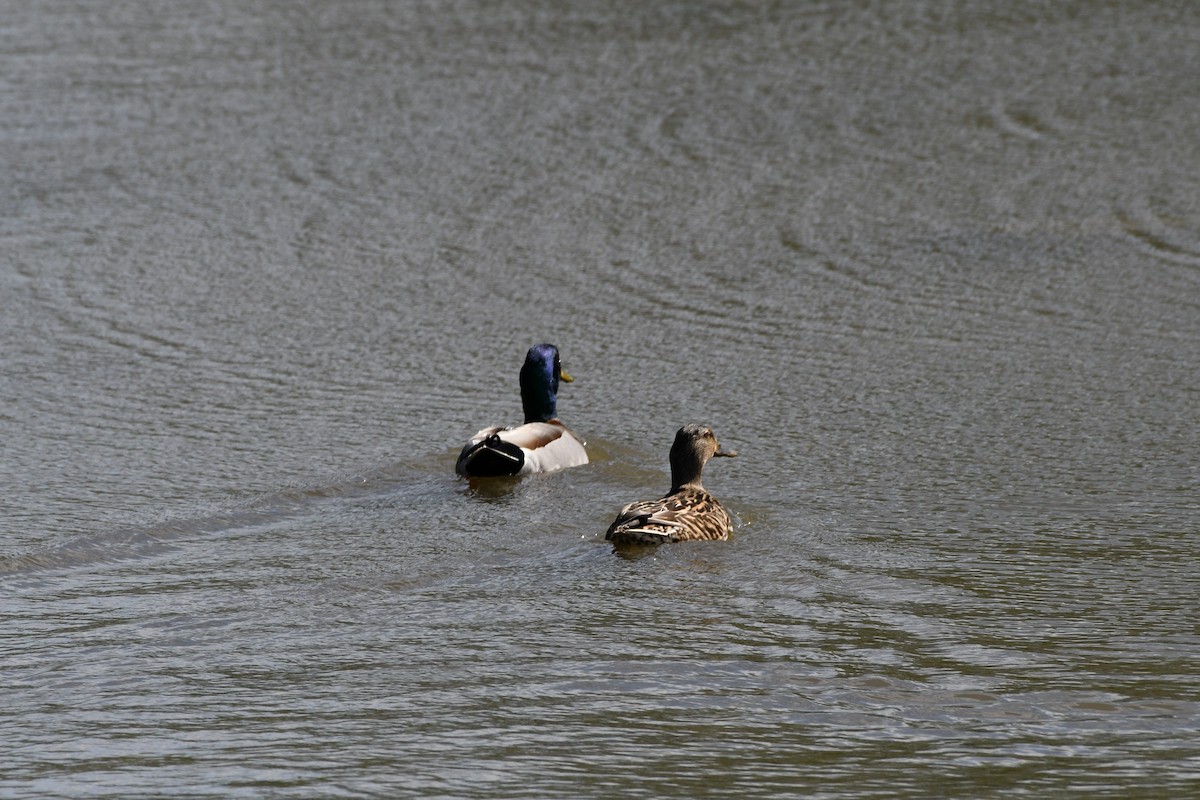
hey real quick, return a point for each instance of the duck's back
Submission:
(686, 515)
(549, 446)
(523, 450)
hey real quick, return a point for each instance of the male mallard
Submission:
(543, 443)
(686, 512)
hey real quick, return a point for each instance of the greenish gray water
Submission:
(933, 269)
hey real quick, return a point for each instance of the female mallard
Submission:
(685, 513)
(543, 443)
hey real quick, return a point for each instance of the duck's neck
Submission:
(539, 396)
(685, 472)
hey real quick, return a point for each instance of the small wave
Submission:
(1157, 235)
(118, 545)
(1020, 122)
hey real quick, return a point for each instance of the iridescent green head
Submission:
(539, 383)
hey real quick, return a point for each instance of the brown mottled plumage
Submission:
(685, 513)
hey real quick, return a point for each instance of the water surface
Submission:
(933, 270)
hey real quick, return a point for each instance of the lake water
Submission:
(932, 268)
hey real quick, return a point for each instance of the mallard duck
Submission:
(543, 443)
(685, 513)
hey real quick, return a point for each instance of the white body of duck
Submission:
(543, 443)
(687, 512)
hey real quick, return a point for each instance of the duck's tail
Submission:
(491, 457)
